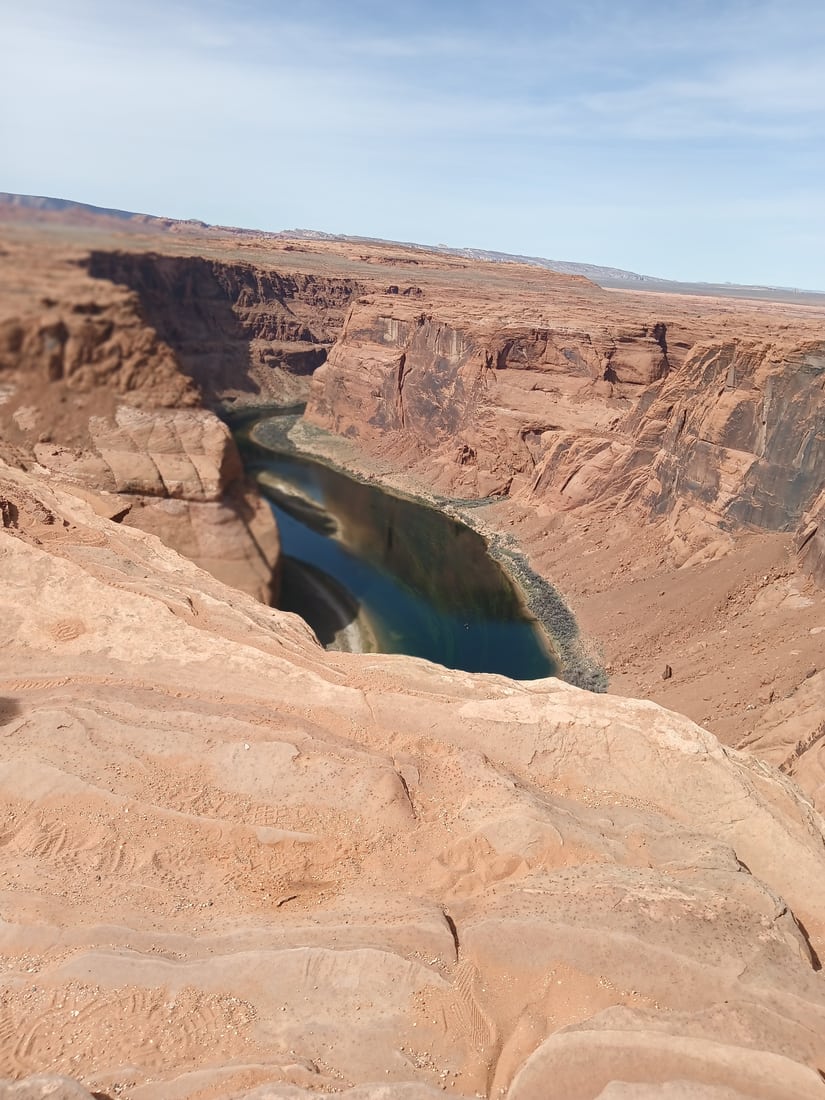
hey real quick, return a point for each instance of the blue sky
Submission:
(684, 139)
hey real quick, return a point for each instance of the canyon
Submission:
(239, 865)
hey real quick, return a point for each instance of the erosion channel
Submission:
(373, 571)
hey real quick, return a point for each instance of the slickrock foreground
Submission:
(232, 860)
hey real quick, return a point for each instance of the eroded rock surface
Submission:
(811, 540)
(92, 393)
(658, 459)
(791, 735)
(587, 409)
(236, 865)
(654, 456)
(236, 328)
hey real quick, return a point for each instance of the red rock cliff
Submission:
(236, 328)
(606, 411)
(95, 396)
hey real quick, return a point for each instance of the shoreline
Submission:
(542, 602)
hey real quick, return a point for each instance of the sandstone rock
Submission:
(693, 433)
(395, 1091)
(188, 454)
(234, 538)
(604, 1058)
(85, 364)
(100, 347)
(639, 414)
(233, 862)
(811, 539)
(250, 864)
(236, 328)
(791, 735)
(177, 474)
(43, 1087)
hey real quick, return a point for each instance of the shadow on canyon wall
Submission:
(231, 324)
(190, 307)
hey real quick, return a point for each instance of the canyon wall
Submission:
(567, 398)
(237, 866)
(697, 416)
(92, 394)
(632, 431)
(734, 439)
(811, 540)
(476, 400)
(237, 329)
(608, 416)
(177, 474)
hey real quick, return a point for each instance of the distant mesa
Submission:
(610, 278)
(83, 211)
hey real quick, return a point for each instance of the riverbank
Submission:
(730, 642)
(578, 661)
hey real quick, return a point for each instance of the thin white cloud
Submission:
(364, 117)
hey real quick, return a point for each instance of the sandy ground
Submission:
(737, 633)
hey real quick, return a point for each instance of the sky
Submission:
(682, 139)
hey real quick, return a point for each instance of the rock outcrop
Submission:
(643, 433)
(791, 735)
(811, 540)
(700, 417)
(236, 865)
(735, 437)
(66, 341)
(178, 475)
(473, 399)
(237, 329)
(92, 393)
(623, 440)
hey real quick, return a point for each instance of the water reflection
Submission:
(368, 569)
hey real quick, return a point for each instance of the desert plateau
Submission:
(238, 865)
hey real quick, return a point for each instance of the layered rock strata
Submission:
(811, 540)
(791, 735)
(235, 865)
(605, 417)
(237, 329)
(91, 393)
(177, 474)
(621, 434)
(659, 460)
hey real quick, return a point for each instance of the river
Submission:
(370, 570)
